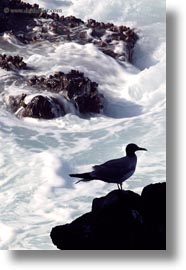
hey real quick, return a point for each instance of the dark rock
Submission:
(9, 62)
(154, 214)
(71, 89)
(16, 102)
(75, 87)
(20, 19)
(41, 107)
(17, 15)
(120, 220)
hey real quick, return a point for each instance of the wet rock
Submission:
(41, 107)
(120, 220)
(114, 35)
(9, 62)
(16, 102)
(26, 22)
(75, 87)
(71, 92)
(17, 15)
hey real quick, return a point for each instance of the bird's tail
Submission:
(85, 177)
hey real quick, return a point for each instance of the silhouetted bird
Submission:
(115, 170)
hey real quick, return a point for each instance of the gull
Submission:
(115, 170)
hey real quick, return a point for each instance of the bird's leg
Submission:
(119, 186)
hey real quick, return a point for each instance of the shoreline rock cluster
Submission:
(29, 23)
(73, 87)
(121, 220)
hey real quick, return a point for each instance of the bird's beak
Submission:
(142, 149)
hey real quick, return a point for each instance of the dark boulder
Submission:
(71, 92)
(120, 220)
(41, 107)
(75, 87)
(153, 199)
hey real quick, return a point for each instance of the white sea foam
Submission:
(6, 236)
(36, 156)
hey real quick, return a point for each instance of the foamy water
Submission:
(36, 156)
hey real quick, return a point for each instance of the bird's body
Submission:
(113, 171)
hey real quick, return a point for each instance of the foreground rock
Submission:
(65, 93)
(29, 23)
(121, 220)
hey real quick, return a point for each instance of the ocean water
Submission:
(36, 156)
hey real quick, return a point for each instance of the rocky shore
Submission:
(56, 94)
(121, 220)
(30, 23)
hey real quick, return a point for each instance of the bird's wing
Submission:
(113, 162)
(106, 174)
(114, 169)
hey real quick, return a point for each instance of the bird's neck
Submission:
(131, 154)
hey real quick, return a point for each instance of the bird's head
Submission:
(132, 148)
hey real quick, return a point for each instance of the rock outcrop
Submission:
(41, 107)
(63, 90)
(75, 87)
(121, 220)
(29, 23)
(10, 62)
